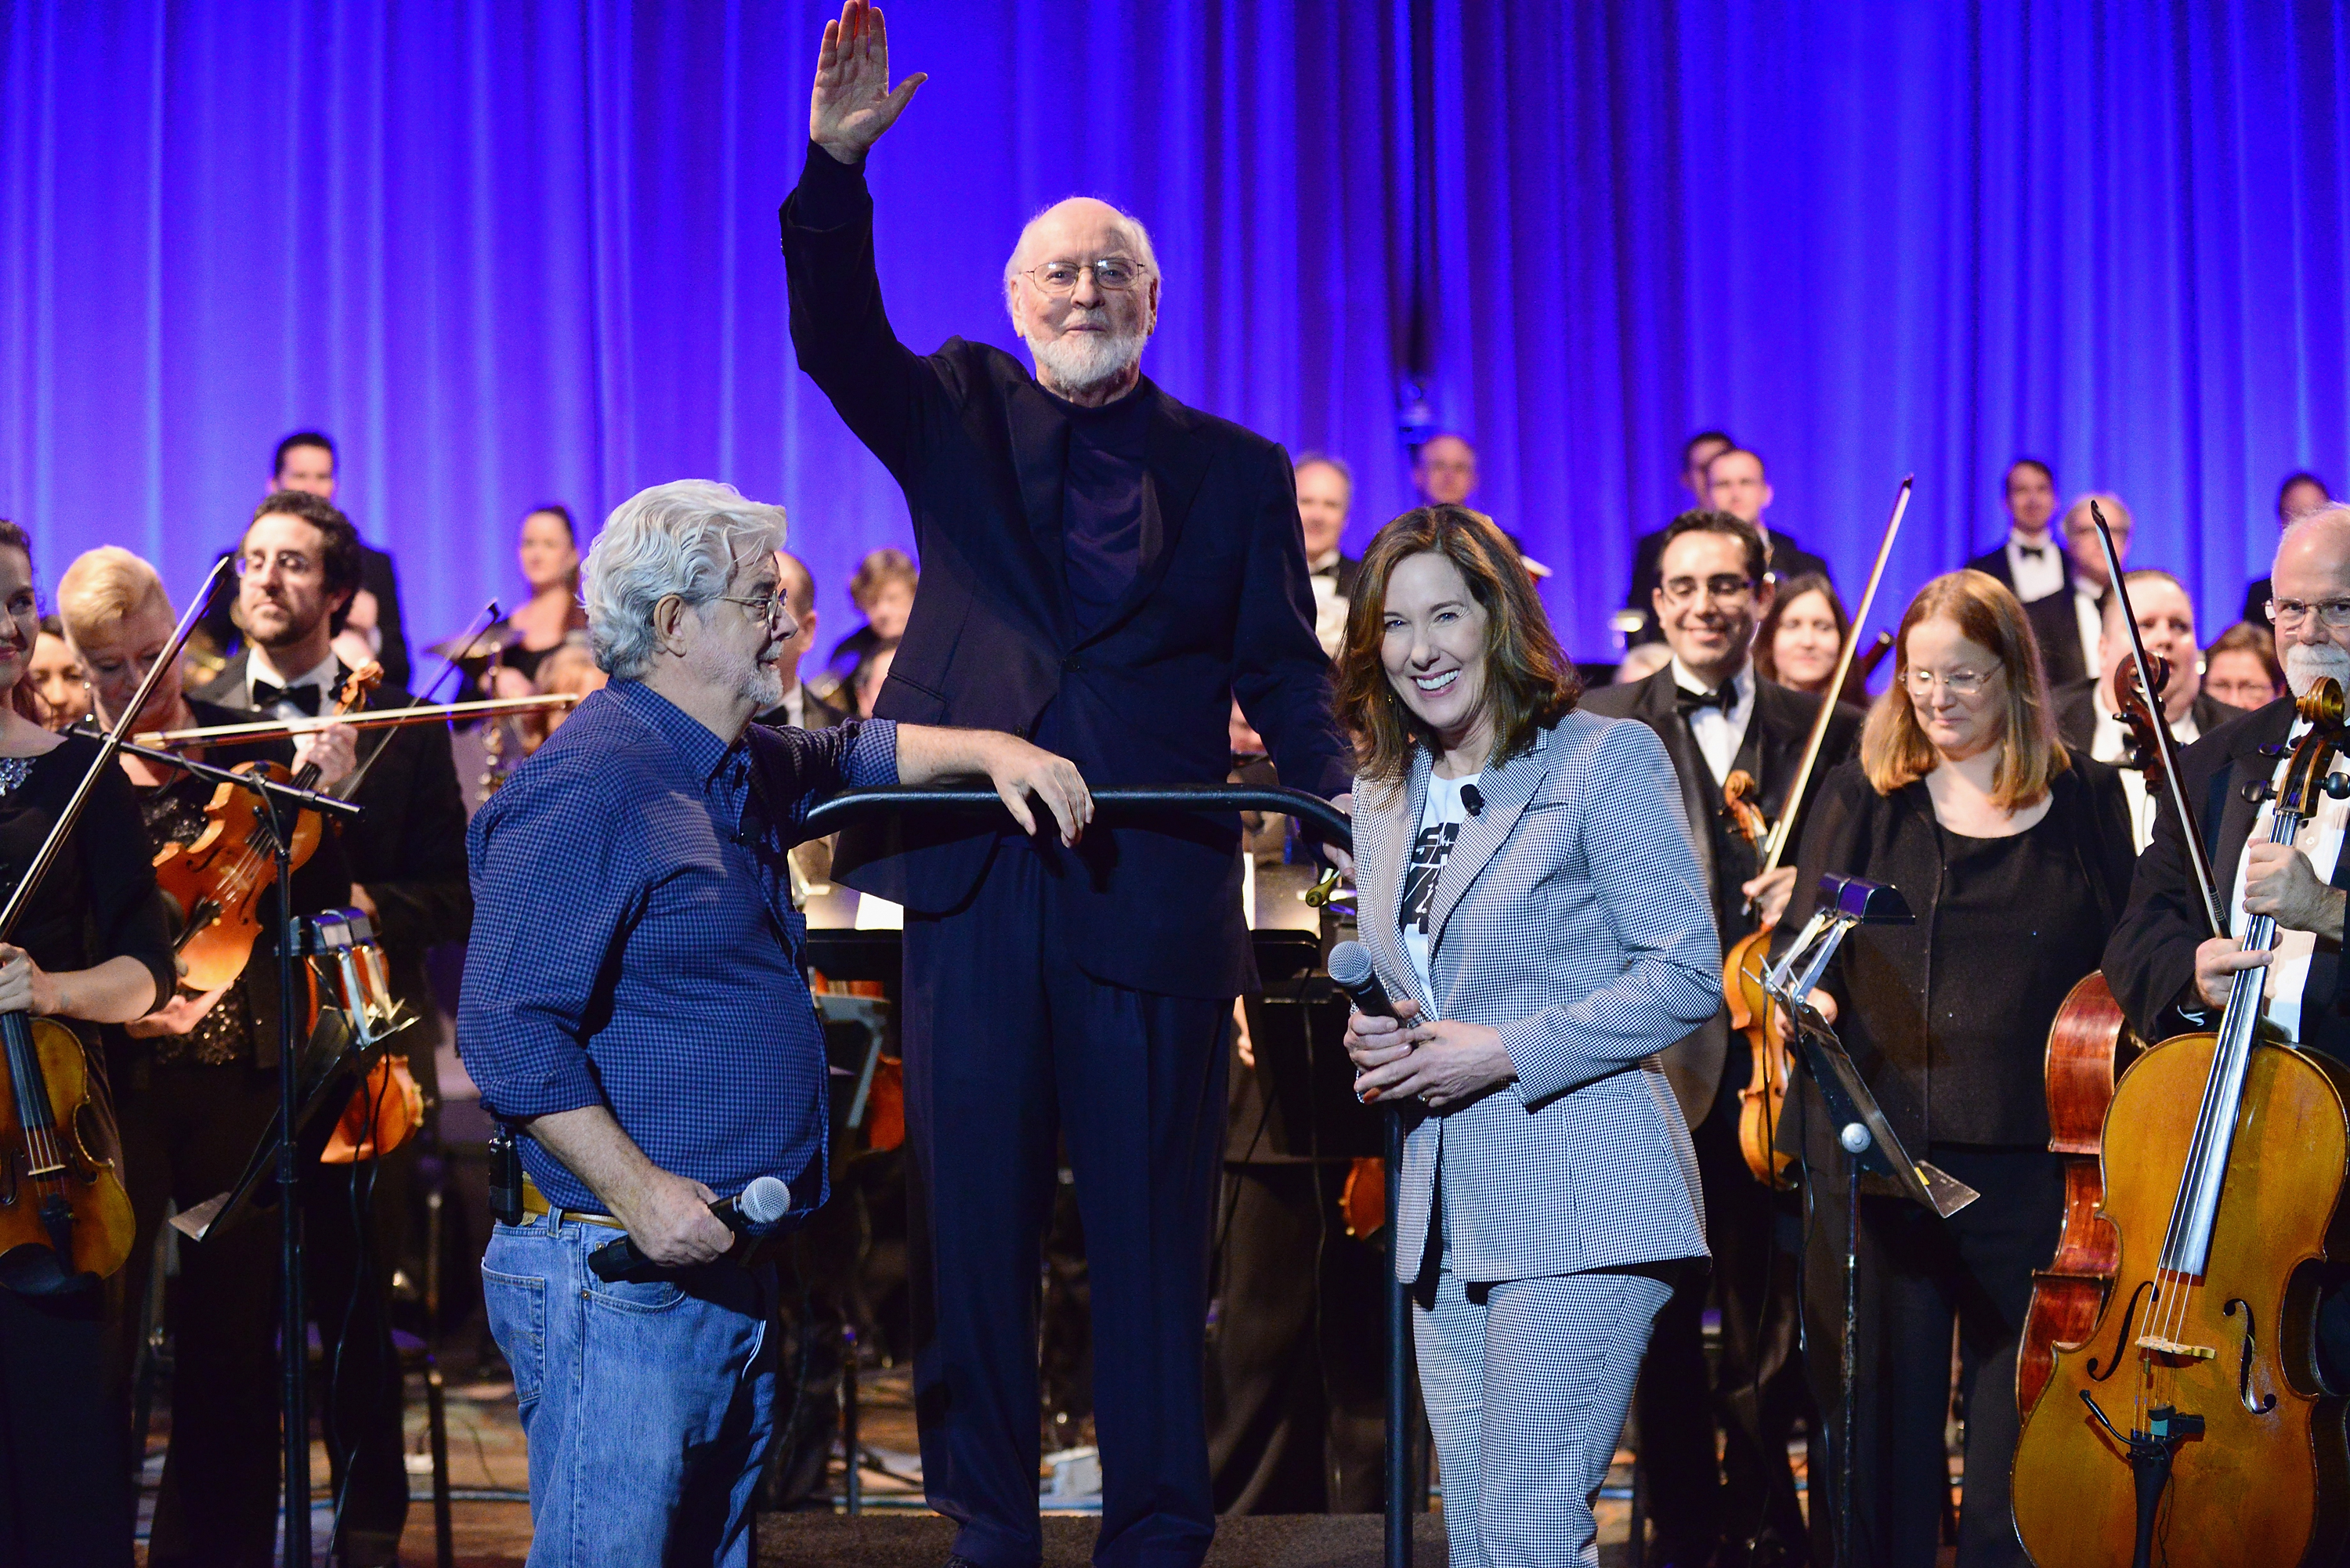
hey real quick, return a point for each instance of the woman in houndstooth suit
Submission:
(1527, 882)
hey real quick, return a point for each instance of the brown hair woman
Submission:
(2015, 856)
(1527, 885)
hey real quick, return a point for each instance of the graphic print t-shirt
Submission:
(1431, 846)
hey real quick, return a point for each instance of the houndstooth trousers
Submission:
(1526, 1384)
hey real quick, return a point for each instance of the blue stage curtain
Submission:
(508, 253)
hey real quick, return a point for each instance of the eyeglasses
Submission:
(1957, 682)
(768, 607)
(2335, 613)
(1726, 588)
(290, 564)
(1113, 274)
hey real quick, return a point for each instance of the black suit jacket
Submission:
(407, 850)
(1219, 608)
(2077, 713)
(2150, 960)
(1773, 750)
(1788, 560)
(1993, 563)
(2058, 632)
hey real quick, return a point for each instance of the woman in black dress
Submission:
(90, 949)
(2016, 858)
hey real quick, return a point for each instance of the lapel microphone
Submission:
(1473, 798)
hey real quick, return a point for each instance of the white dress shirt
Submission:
(1329, 604)
(2321, 839)
(2108, 744)
(1719, 734)
(2037, 574)
(2091, 620)
(259, 668)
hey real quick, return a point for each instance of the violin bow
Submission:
(1782, 830)
(28, 884)
(488, 619)
(2164, 742)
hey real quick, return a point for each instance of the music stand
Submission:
(1869, 1144)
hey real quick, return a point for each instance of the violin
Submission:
(218, 881)
(2192, 1420)
(65, 1218)
(1763, 1096)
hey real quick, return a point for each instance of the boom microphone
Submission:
(1350, 972)
(765, 1200)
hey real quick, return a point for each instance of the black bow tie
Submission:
(1685, 701)
(2036, 552)
(266, 696)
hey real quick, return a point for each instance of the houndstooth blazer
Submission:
(1572, 917)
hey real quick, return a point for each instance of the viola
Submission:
(1764, 1095)
(218, 881)
(2189, 1424)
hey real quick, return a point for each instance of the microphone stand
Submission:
(284, 804)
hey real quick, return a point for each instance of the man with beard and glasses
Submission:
(2168, 974)
(1105, 569)
(636, 1005)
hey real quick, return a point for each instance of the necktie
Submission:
(266, 696)
(1685, 701)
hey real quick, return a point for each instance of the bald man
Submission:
(1103, 570)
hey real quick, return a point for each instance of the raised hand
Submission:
(853, 102)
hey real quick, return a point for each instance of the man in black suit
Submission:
(404, 862)
(2070, 627)
(1103, 570)
(2084, 710)
(1714, 715)
(2300, 492)
(1696, 453)
(1325, 493)
(1732, 479)
(2028, 561)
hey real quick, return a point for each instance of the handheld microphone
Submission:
(766, 1200)
(1351, 972)
(1473, 798)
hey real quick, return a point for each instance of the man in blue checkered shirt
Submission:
(635, 1001)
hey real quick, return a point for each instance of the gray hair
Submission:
(683, 538)
(1137, 235)
(1337, 465)
(2334, 517)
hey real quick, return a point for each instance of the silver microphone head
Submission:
(765, 1200)
(1350, 963)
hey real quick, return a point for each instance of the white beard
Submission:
(2306, 664)
(1081, 362)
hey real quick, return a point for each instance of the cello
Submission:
(2193, 1415)
(1764, 1096)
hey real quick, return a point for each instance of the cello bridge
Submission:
(2161, 1346)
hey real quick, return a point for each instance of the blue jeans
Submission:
(647, 1407)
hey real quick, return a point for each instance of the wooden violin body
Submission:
(1762, 1100)
(65, 1219)
(2089, 1043)
(2267, 1481)
(217, 882)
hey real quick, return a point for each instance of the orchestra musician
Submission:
(2084, 711)
(1529, 898)
(2015, 855)
(2028, 563)
(2240, 668)
(548, 552)
(2167, 974)
(202, 1076)
(1715, 713)
(90, 949)
(58, 677)
(2069, 628)
(633, 913)
(1105, 568)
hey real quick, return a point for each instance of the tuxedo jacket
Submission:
(2057, 631)
(2077, 713)
(1993, 562)
(407, 848)
(2150, 958)
(1218, 607)
(1773, 750)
